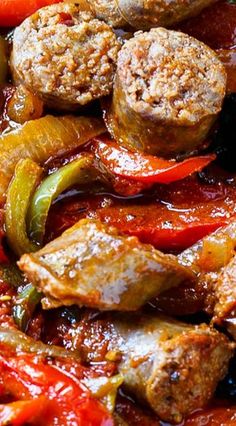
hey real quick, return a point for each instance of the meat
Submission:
(168, 90)
(92, 265)
(146, 14)
(65, 55)
(213, 261)
(172, 366)
(225, 291)
(107, 10)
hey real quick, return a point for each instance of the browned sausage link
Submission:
(92, 265)
(76, 55)
(172, 366)
(168, 90)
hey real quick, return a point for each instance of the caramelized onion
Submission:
(24, 106)
(216, 252)
(42, 139)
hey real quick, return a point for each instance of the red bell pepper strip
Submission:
(13, 12)
(67, 401)
(23, 412)
(172, 217)
(145, 168)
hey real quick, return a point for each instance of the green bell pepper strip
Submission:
(10, 274)
(20, 342)
(25, 305)
(3, 61)
(78, 171)
(20, 191)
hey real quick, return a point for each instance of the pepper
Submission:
(17, 341)
(13, 12)
(21, 188)
(68, 401)
(78, 171)
(147, 169)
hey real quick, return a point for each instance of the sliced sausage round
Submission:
(168, 90)
(107, 10)
(146, 14)
(65, 55)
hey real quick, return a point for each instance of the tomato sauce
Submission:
(215, 26)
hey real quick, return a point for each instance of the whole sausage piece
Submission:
(92, 265)
(65, 55)
(168, 90)
(146, 14)
(172, 366)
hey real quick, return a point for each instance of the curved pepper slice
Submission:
(67, 400)
(145, 168)
(79, 171)
(13, 12)
(20, 191)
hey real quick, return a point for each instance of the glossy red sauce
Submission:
(216, 416)
(215, 26)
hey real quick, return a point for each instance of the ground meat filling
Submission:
(172, 76)
(65, 55)
(107, 10)
(146, 14)
(168, 90)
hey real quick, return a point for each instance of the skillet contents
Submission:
(117, 213)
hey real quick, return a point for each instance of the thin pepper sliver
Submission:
(26, 178)
(78, 171)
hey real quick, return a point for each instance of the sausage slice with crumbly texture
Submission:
(65, 55)
(146, 14)
(92, 265)
(172, 366)
(107, 10)
(168, 90)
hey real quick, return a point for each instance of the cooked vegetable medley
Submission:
(117, 213)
